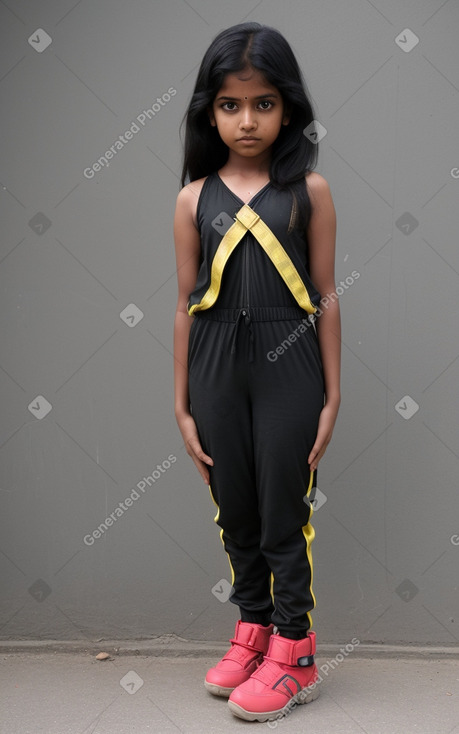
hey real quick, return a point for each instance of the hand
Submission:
(327, 421)
(193, 446)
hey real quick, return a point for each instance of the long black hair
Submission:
(264, 49)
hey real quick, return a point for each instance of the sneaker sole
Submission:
(218, 690)
(297, 700)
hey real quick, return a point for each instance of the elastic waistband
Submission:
(255, 313)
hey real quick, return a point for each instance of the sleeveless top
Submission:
(248, 278)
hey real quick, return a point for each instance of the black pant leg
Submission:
(287, 397)
(222, 410)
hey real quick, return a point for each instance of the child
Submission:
(256, 375)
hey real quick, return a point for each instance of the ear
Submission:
(287, 116)
(210, 112)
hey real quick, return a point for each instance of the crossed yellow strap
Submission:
(247, 219)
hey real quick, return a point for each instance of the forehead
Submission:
(245, 83)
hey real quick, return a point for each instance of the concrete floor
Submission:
(62, 689)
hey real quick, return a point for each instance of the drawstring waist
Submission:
(248, 315)
(254, 313)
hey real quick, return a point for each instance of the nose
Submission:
(247, 120)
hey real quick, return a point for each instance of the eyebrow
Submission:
(238, 99)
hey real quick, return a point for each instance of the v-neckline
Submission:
(245, 203)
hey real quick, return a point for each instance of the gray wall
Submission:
(88, 297)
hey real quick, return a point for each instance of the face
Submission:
(248, 113)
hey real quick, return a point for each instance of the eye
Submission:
(266, 104)
(229, 106)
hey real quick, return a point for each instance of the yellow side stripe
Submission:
(309, 535)
(247, 219)
(221, 537)
(311, 479)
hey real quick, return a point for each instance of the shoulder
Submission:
(319, 192)
(190, 192)
(187, 199)
(317, 185)
(193, 188)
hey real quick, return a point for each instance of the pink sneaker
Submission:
(280, 683)
(248, 646)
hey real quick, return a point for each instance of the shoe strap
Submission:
(253, 637)
(292, 652)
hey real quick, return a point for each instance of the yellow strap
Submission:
(279, 258)
(231, 238)
(247, 219)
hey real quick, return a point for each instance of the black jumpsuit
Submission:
(256, 391)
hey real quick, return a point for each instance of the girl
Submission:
(256, 373)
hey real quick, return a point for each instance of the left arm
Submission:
(321, 239)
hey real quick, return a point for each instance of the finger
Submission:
(196, 449)
(206, 459)
(317, 452)
(204, 474)
(313, 454)
(200, 459)
(202, 469)
(201, 456)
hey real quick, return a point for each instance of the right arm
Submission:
(187, 250)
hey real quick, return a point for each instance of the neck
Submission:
(247, 167)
